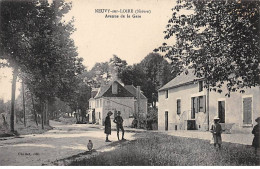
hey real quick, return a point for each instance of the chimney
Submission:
(138, 93)
(114, 88)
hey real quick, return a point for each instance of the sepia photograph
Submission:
(129, 83)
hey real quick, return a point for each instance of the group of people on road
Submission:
(216, 131)
(119, 125)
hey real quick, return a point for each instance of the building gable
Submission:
(121, 91)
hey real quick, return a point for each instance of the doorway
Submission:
(221, 111)
(166, 120)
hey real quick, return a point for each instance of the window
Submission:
(178, 106)
(202, 104)
(247, 110)
(200, 86)
(166, 94)
(198, 104)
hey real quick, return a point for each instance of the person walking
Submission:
(216, 131)
(256, 133)
(108, 125)
(119, 125)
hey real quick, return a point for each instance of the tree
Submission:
(35, 41)
(116, 66)
(218, 39)
(104, 72)
(151, 74)
(13, 46)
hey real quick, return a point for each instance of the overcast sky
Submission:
(98, 38)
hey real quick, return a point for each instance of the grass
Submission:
(153, 149)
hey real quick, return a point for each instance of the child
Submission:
(216, 130)
(256, 132)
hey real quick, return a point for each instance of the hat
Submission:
(257, 119)
(109, 113)
(216, 118)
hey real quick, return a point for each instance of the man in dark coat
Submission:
(256, 132)
(108, 125)
(119, 125)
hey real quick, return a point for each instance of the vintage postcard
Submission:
(129, 83)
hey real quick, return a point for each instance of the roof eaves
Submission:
(187, 83)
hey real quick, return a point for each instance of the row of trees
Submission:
(36, 44)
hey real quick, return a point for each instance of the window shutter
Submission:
(204, 103)
(178, 106)
(196, 104)
(247, 110)
(192, 105)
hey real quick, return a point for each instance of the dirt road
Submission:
(61, 142)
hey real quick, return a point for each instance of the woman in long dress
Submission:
(108, 126)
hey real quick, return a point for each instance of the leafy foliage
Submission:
(151, 74)
(219, 39)
(103, 73)
(36, 42)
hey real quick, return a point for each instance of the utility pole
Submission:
(138, 106)
(208, 105)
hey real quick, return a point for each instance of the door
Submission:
(166, 120)
(247, 110)
(93, 117)
(221, 111)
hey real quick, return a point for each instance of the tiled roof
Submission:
(106, 91)
(133, 90)
(94, 93)
(102, 90)
(180, 80)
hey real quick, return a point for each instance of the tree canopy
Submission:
(37, 44)
(219, 39)
(151, 74)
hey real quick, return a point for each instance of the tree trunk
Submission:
(46, 113)
(82, 115)
(34, 112)
(42, 116)
(76, 115)
(24, 118)
(15, 73)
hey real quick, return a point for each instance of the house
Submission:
(184, 104)
(116, 97)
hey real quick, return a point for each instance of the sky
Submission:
(98, 38)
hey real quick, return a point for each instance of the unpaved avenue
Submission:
(61, 142)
